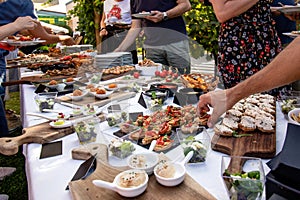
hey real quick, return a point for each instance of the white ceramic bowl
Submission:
(179, 174)
(126, 192)
(148, 70)
(77, 98)
(143, 161)
(296, 112)
(102, 96)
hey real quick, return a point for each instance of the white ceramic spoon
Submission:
(126, 192)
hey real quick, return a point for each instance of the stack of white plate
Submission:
(113, 59)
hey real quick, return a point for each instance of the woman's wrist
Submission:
(102, 28)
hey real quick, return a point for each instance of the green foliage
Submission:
(84, 10)
(202, 27)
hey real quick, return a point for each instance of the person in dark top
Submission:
(9, 11)
(283, 24)
(166, 39)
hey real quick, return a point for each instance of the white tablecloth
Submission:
(48, 178)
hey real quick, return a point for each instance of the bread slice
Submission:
(247, 124)
(230, 123)
(265, 124)
(223, 130)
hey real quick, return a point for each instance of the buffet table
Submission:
(47, 178)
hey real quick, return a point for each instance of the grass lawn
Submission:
(15, 185)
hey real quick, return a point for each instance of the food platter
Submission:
(161, 126)
(292, 35)
(142, 14)
(254, 134)
(23, 43)
(289, 9)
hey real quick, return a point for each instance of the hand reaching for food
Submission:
(66, 40)
(217, 100)
(25, 23)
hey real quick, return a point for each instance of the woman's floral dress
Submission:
(247, 43)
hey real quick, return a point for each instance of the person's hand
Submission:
(103, 32)
(156, 16)
(217, 100)
(25, 23)
(66, 40)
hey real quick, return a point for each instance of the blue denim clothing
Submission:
(10, 10)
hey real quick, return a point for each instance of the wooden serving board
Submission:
(42, 133)
(35, 78)
(106, 77)
(85, 189)
(262, 145)
(116, 96)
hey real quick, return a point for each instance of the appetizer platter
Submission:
(204, 82)
(188, 189)
(249, 128)
(117, 71)
(141, 14)
(22, 41)
(161, 126)
(287, 9)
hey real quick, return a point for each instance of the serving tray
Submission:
(41, 134)
(85, 189)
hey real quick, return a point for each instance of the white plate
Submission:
(65, 125)
(51, 86)
(289, 9)
(23, 43)
(77, 98)
(141, 15)
(102, 96)
(292, 35)
(111, 89)
(149, 70)
(70, 82)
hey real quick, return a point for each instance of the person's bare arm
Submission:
(131, 35)
(40, 32)
(103, 30)
(227, 9)
(181, 7)
(19, 24)
(284, 69)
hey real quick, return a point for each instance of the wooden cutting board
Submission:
(33, 79)
(116, 96)
(262, 145)
(42, 133)
(84, 189)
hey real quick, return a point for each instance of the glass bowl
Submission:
(155, 98)
(87, 130)
(45, 100)
(121, 148)
(198, 141)
(243, 177)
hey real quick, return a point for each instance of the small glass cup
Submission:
(197, 141)
(117, 113)
(45, 100)
(87, 129)
(243, 177)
